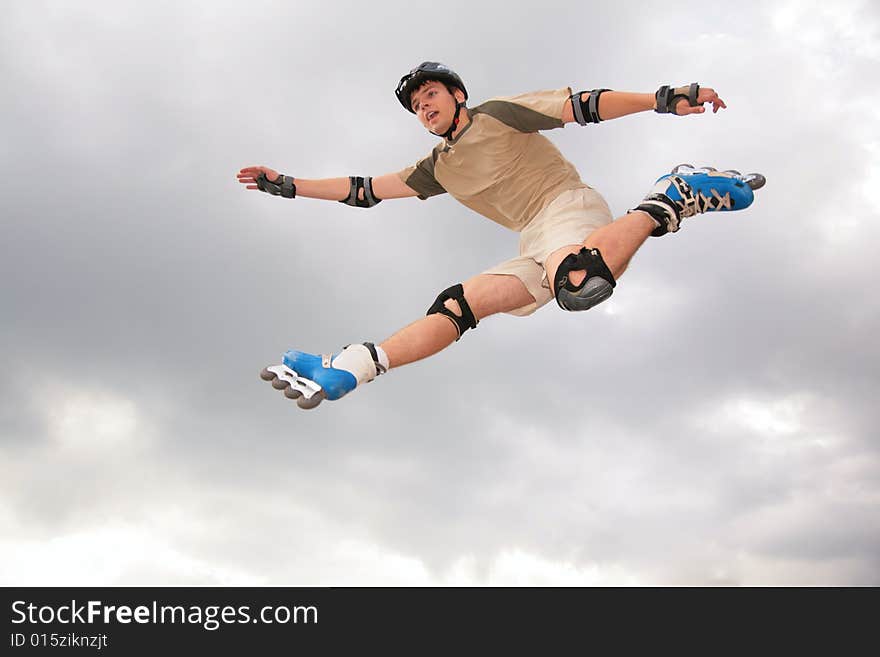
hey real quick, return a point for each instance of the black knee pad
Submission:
(463, 322)
(597, 285)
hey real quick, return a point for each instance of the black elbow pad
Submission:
(587, 111)
(359, 184)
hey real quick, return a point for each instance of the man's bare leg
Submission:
(486, 294)
(617, 242)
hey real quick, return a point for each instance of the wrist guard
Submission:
(283, 185)
(586, 111)
(359, 184)
(667, 97)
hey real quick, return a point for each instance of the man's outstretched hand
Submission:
(706, 95)
(248, 175)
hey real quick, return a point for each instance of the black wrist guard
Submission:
(283, 185)
(586, 111)
(668, 97)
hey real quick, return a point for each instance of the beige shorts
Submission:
(569, 219)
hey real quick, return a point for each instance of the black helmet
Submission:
(423, 73)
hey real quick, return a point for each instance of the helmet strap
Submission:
(454, 125)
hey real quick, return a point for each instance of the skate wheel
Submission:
(709, 169)
(683, 167)
(755, 180)
(292, 393)
(266, 375)
(312, 401)
(733, 172)
(280, 384)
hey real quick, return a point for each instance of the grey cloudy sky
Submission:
(715, 422)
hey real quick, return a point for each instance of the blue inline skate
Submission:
(689, 190)
(309, 379)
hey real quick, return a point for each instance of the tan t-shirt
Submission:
(499, 165)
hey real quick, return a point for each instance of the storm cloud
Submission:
(714, 422)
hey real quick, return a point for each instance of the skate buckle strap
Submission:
(688, 204)
(663, 211)
(380, 369)
(666, 211)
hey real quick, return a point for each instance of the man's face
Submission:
(435, 106)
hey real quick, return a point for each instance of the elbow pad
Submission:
(587, 111)
(359, 185)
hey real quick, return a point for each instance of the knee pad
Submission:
(462, 322)
(597, 285)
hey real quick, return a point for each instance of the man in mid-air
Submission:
(493, 159)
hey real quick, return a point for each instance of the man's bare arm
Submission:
(391, 186)
(615, 104)
(388, 186)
